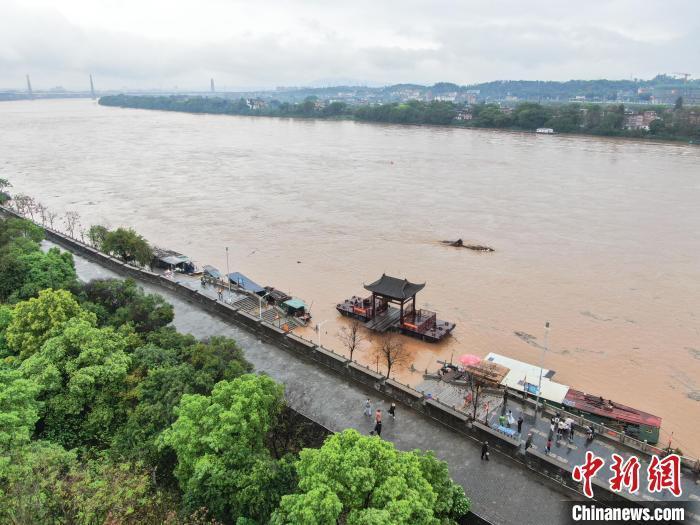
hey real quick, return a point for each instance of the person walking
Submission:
(520, 424)
(392, 410)
(528, 441)
(368, 408)
(571, 433)
(485, 451)
(549, 446)
(377, 423)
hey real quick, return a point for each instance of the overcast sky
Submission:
(268, 43)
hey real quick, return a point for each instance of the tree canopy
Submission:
(128, 245)
(357, 479)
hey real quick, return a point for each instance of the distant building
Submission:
(255, 103)
(464, 115)
(640, 120)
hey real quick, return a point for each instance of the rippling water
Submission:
(600, 237)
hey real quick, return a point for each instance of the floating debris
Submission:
(475, 247)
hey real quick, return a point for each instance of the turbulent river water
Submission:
(599, 237)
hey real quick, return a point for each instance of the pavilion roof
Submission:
(394, 288)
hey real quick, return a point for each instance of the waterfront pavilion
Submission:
(390, 290)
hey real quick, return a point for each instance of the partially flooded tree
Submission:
(97, 234)
(42, 211)
(479, 377)
(70, 221)
(51, 217)
(391, 352)
(4, 196)
(352, 336)
(22, 203)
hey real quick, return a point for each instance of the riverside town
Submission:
(313, 263)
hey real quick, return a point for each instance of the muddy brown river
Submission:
(600, 237)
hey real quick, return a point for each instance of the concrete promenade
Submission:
(502, 491)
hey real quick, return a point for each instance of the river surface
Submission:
(600, 237)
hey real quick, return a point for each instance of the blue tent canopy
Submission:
(245, 283)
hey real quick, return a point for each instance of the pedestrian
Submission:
(520, 424)
(368, 408)
(220, 292)
(509, 418)
(502, 420)
(485, 451)
(392, 410)
(528, 441)
(571, 433)
(548, 447)
(377, 423)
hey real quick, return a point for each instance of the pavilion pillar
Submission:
(401, 314)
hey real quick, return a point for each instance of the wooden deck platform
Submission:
(384, 321)
(389, 320)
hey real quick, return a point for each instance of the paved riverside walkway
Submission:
(502, 491)
(570, 453)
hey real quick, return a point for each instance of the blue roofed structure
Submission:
(244, 282)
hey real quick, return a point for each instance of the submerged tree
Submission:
(391, 351)
(352, 337)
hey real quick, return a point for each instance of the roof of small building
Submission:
(245, 283)
(610, 409)
(210, 270)
(295, 303)
(394, 288)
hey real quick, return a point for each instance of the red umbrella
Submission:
(469, 359)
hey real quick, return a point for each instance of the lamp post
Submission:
(260, 299)
(227, 272)
(544, 349)
(318, 329)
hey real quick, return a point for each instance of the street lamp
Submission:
(260, 299)
(318, 329)
(544, 349)
(227, 272)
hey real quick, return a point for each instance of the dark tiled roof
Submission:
(394, 288)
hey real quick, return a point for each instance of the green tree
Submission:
(19, 409)
(128, 245)
(117, 302)
(13, 228)
(529, 115)
(38, 319)
(97, 234)
(39, 271)
(679, 104)
(219, 441)
(357, 479)
(657, 126)
(81, 373)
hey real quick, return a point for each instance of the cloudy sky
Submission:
(266, 43)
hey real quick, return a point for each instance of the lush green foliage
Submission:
(24, 268)
(219, 440)
(357, 479)
(119, 302)
(128, 245)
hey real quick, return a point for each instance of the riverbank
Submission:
(526, 117)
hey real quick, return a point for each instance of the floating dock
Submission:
(378, 314)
